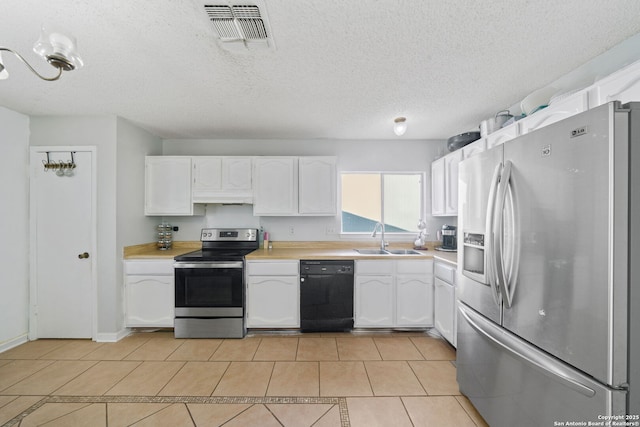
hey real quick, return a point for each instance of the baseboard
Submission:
(14, 342)
(113, 336)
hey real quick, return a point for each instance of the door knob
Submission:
(83, 255)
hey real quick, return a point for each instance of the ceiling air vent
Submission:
(235, 23)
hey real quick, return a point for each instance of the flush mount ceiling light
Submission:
(57, 48)
(400, 126)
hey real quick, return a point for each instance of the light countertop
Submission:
(293, 251)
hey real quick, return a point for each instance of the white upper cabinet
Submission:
(503, 135)
(558, 110)
(474, 148)
(285, 186)
(437, 187)
(444, 185)
(451, 162)
(168, 186)
(275, 191)
(317, 186)
(222, 179)
(623, 86)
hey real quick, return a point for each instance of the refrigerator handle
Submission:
(489, 254)
(511, 280)
(523, 351)
(497, 234)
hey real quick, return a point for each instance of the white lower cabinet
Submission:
(273, 294)
(393, 293)
(149, 293)
(445, 300)
(374, 301)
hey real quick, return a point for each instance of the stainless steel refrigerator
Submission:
(548, 304)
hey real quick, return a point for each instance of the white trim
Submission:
(33, 294)
(113, 336)
(13, 342)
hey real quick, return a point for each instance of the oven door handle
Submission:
(223, 264)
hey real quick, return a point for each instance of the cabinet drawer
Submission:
(445, 272)
(149, 267)
(414, 267)
(374, 267)
(273, 268)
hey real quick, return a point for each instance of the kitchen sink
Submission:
(387, 252)
(403, 252)
(371, 251)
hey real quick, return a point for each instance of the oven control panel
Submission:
(229, 234)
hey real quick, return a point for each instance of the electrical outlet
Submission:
(292, 230)
(330, 230)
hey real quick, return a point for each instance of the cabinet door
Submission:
(444, 309)
(414, 301)
(623, 86)
(275, 189)
(576, 103)
(207, 174)
(273, 301)
(474, 148)
(451, 162)
(317, 180)
(168, 186)
(374, 301)
(149, 301)
(437, 187)
(236, 174)
(503, 135)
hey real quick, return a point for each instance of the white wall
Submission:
(353, 155)
(120, 171)
(14, 218)
(101, 133)
(132, 227)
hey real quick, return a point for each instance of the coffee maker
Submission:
(449, 238)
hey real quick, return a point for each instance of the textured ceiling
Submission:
(340, 69)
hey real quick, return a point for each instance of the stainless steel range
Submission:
(210, 287)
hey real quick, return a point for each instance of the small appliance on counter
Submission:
(165, 236)
(449, 237)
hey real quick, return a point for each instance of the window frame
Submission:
(393, 235)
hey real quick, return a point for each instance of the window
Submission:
(395, 199)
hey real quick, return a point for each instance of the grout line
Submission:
(323, 415)
(416, 375)
(96, 362)
(51, 362)
(166, 359)
(172, 376)
(373, 393)
(221, 377)
(273, 368)
(62, 344)
(406, 410)
(121, 379)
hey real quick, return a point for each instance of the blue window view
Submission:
(392, 198)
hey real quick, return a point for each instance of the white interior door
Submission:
(63, 245)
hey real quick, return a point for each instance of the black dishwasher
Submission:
(326, 296)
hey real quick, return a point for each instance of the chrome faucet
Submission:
(375, 230)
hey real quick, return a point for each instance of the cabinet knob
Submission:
(83, 255)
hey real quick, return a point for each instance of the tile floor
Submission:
(153, 379)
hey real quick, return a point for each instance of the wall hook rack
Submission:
(60, 167)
